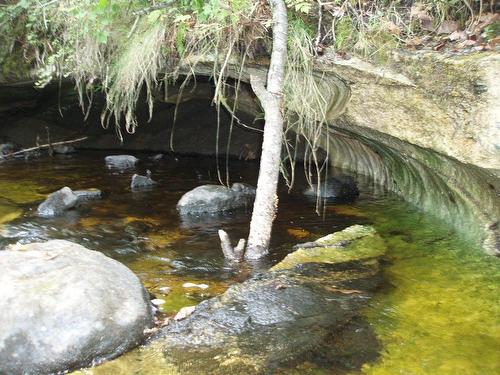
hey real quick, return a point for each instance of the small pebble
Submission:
(165, 289)
(158, 301)
(193, 285)
(184, 312)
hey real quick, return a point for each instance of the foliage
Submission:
(126, 47)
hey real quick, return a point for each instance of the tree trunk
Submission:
(271, 99)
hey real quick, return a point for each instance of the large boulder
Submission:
(216, 198)
(121, 161)
(64, 307)
(57, 202)
(341, 187)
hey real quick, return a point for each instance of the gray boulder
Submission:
(57, 202)
(216, 198)
(64, 307)
(341, 187)
(121, 161)
(270, 319)
(65, 199)
(139, 181)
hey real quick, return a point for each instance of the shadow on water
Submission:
(439, 312)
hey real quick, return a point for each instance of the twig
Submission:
(47, 145)
(152, 8)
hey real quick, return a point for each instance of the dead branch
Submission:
(47, 145)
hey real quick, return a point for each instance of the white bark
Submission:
(271, 99)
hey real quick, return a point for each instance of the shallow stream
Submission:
(439, 312)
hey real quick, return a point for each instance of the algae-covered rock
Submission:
(353, 243)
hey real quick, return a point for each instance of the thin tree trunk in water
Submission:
(271, 99)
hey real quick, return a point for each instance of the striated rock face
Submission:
(64, 306)
(426, 126)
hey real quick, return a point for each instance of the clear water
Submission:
(438, 314)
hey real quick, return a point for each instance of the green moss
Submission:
(20, 192)
(353, 243)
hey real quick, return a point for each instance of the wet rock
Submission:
(64, 307)
(342, 187)
(139, 181)
(216, 198)
(353, 243)
(88, 194)
(63, 149)
(270, 319)
(6, 148)
(57, 202)
(121, 161)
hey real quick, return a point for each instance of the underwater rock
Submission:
(64, 307)
(269, 319)
(216, 198)
(341, 187)
(156, 157)
(121, 161)
(63, 149)
(57, 202)
(139, 181)
(88, 194)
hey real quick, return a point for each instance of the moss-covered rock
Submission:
(353, 243)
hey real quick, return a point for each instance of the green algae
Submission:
(20, 191)
(353, 243)
(442, 314)
(8, 211)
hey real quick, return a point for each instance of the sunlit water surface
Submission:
(439, 312)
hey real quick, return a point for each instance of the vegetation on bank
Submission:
(125, 47)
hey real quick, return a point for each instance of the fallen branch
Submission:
(230, 253)
(47, 145)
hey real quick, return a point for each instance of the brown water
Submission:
(439, 315)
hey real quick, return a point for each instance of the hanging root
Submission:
(231, 253)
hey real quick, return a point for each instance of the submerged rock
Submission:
(63, 149)
(57, 202)
(340, 187)
(121, 161)
(270, 319)
(299, 308)
(88, 194)
(64, 307)
(139, 181)
(216, 198)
